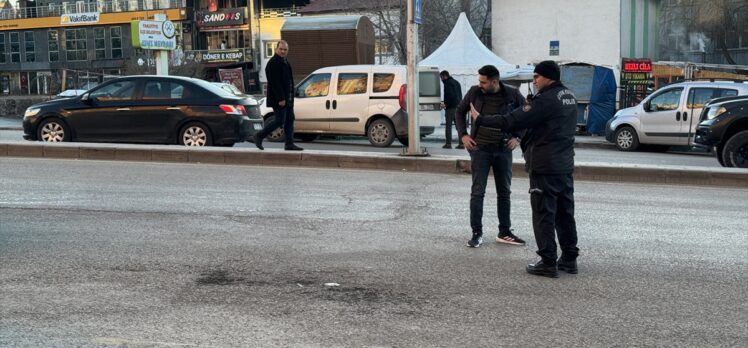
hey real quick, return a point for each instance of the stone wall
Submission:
(15, 106)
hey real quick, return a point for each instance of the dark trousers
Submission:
(483, 159)
(281, 117)
(552, 201)
(449, 114)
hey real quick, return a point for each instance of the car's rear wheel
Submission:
(381, 133)
(53, 130)
(195, 134)
(277, 135)
(306, 137)
(626, 139)
(735, 152)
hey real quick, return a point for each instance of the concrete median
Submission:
(607, 172)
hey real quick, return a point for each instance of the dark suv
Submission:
(724, 126)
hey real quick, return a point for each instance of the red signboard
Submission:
(636, 65)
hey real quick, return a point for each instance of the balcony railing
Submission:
(101, 6)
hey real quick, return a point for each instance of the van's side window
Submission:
(697, 97)
(383, 82)
(352, 83)
(668, 100)
(317, 85)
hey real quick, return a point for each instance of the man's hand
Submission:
(282, 103)
(473, 112)
(512, 143)
(468, 142)
(442, 105)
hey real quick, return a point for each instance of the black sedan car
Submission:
(147, 109)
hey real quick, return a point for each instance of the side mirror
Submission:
(647, 106)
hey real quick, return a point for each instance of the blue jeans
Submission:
(282, 117)
(484, 158)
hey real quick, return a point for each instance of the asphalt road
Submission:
(583, 154)
(115, 254)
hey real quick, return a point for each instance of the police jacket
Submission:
(512, 100)
(452, 93)
(550, 120)
(280, 81)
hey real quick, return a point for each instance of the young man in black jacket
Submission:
(548, 147)
(280, 96)
(490, 148)
(452, 96)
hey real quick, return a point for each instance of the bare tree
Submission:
(706, 26)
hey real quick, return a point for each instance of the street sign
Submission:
(153, 35)
(555, 48)
(417, 11)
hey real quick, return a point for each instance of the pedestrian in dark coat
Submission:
(280, 95)
(452, 97)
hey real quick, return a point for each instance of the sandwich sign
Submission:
(153, 35)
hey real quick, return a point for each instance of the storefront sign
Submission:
(80, 18)
(153, 35)
(222, 56)
(222, 18)
(636, 65)
(233, 76)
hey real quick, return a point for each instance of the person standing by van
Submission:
(490, 148)
(280, 96)
(548, 145)
(452, 95)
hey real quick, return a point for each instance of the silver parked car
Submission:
(669, 116)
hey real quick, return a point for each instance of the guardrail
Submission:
(101, 6)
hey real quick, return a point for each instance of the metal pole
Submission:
(414, 131)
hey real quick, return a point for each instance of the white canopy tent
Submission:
(462, 54)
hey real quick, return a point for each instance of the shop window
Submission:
(28, 38)
(75, 44)
(54, 46)
(116, 34)
(100, 43)
(15, 48)
(2, 48)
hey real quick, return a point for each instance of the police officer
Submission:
(548, 148)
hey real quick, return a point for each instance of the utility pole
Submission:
(414, 131)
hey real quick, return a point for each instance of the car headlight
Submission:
(714, 112)
(31, 112)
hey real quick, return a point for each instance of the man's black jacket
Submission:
(550, 120)
(512, 100)
(452, 93)
(280, 81)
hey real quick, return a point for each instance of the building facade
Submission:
(50, 45)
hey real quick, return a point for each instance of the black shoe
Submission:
(293, 148)
(460, 146)
(569, 266)
(447, 146)
(509, 238)
(542, 269)
(258, 143)
(476, 241)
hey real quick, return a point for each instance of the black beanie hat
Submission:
(548, 69)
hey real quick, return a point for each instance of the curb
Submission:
(440, 164)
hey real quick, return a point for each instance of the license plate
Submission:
(257, 126)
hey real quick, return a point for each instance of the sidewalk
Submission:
(581, 141)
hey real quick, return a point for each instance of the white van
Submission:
(365, 100)
(669, 116)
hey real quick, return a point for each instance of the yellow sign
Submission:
(173, 14)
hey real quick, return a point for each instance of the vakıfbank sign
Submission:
(80, 18)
